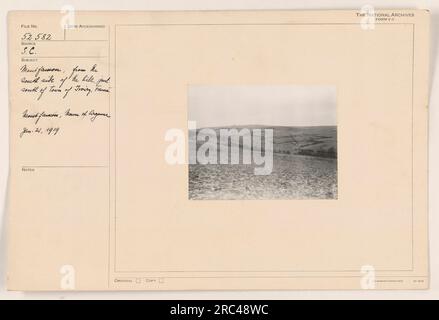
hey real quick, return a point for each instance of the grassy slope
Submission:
(318, 141)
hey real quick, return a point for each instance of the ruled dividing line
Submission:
(65, 37)
(72, 40)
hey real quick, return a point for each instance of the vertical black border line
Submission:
(109, 156)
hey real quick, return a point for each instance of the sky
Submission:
(276, 105)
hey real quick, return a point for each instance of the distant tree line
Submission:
(328, 153)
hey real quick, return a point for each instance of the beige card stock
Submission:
(122, 176)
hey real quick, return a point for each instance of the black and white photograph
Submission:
(262, 142)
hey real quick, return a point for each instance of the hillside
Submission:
(317, 141)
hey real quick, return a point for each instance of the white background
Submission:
(432, 5)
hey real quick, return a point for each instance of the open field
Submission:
(304, 167)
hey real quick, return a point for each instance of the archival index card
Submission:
(218, 150)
